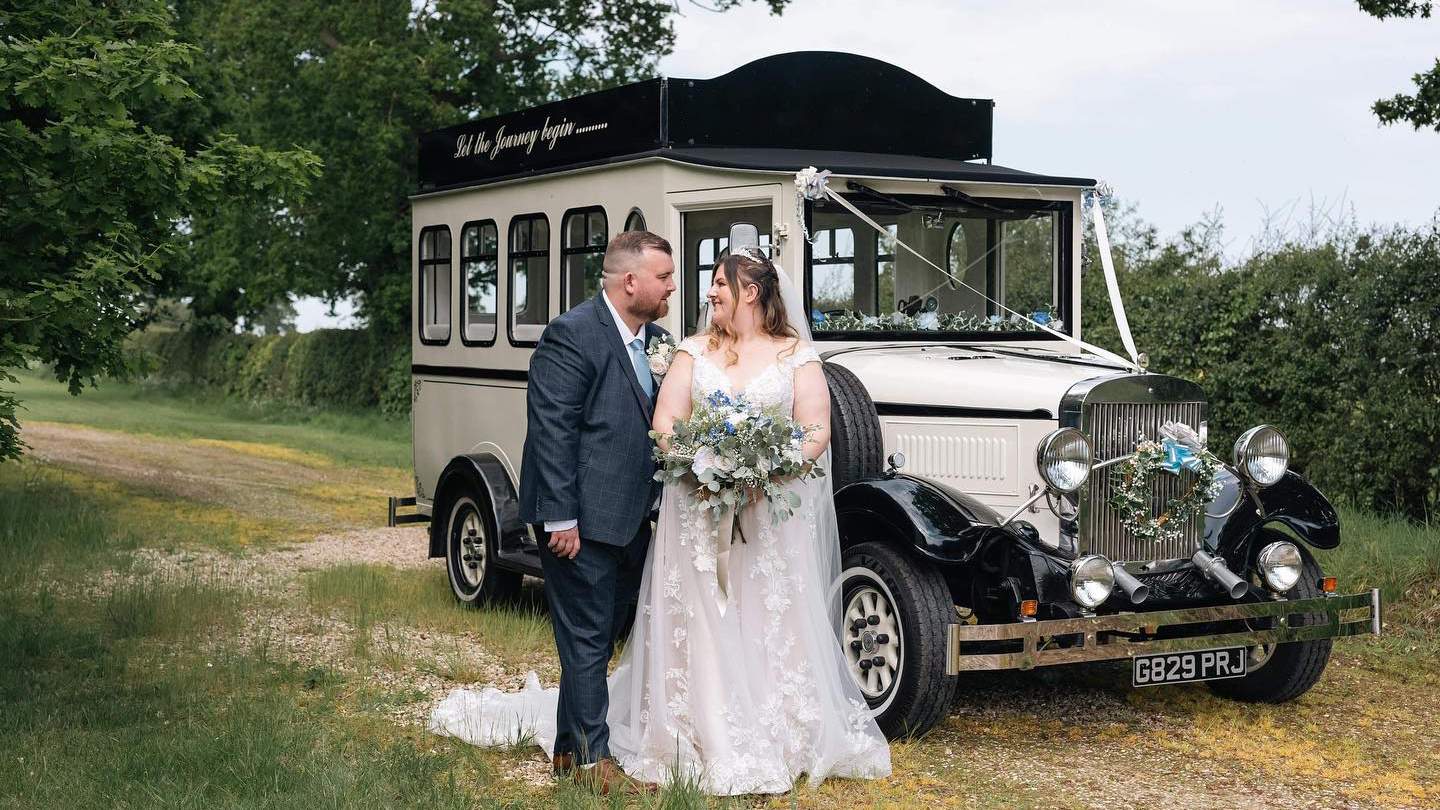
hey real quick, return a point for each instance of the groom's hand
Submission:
(566, 544)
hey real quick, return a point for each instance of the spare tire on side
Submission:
(856, 446)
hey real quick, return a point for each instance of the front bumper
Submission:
(1122, 635)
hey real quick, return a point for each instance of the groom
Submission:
(585, 477)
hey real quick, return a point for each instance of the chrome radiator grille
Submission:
(1113, 428)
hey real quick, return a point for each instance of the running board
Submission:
(400, 520)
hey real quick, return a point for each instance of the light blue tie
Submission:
(642, 365)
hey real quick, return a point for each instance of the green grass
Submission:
(47, 500)
(348, 437)
(94, 721)
(125, 688)
(1402, 559)
(41, 522)
(1387, 553)
(370, 596)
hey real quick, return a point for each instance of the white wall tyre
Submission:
(885, 592)
(1283, 672)
(470, 554)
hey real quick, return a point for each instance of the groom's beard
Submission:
(654, 312)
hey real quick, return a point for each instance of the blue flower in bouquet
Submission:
(797, 434)
(729, 429)
(1041, 317)
(816, 316)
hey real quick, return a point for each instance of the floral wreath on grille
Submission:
(1180, 449)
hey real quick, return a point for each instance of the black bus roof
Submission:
(850, 114)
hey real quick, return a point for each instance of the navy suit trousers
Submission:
(590, 598)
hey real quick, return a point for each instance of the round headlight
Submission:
(1064, 459)
(1262, 454)
(1092, 579)
(1280, 566)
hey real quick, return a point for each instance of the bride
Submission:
(740, 687)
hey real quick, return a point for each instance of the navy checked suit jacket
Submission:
(587, 446)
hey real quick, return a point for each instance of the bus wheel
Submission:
(897, 612)
(470, 553)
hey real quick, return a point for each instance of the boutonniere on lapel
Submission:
(659, 354)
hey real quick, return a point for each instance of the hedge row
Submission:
(1334, 340)
(349, 368)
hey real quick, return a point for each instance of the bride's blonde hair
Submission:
(751, 267)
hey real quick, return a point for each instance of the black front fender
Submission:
(1292, 501)
(994, 568)
(937, 521)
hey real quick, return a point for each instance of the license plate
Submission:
(1181, 667)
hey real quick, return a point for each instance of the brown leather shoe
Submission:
(605, 777)
(563, 764)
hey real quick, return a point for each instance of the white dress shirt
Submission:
(626, 338)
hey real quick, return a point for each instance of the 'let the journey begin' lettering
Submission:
(480, 143)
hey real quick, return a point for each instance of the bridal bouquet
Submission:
(736, 453)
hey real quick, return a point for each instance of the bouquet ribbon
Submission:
(726, 524)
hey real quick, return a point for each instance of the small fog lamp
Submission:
(1064, 459)
(1328, 584)
(1280, 565)
(1092, 579)
(1262, 454)
(1029, 607)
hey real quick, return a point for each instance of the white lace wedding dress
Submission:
(744, 699)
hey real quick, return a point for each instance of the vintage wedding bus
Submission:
(983, 524)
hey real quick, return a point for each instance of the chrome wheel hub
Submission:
(472, 549)
(872, 640)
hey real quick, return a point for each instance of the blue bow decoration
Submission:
(1178, 456)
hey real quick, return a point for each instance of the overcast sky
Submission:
(1253, 106)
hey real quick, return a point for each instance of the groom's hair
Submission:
(628, 246)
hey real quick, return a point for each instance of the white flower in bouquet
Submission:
(705, 461)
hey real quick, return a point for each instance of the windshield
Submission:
(1011, 252)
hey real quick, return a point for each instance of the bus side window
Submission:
(435, 285)
(480, 264)
(582, 254)
(529, 253)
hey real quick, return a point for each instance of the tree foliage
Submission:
(101, 171)
(357, 83)
(1420, 109)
